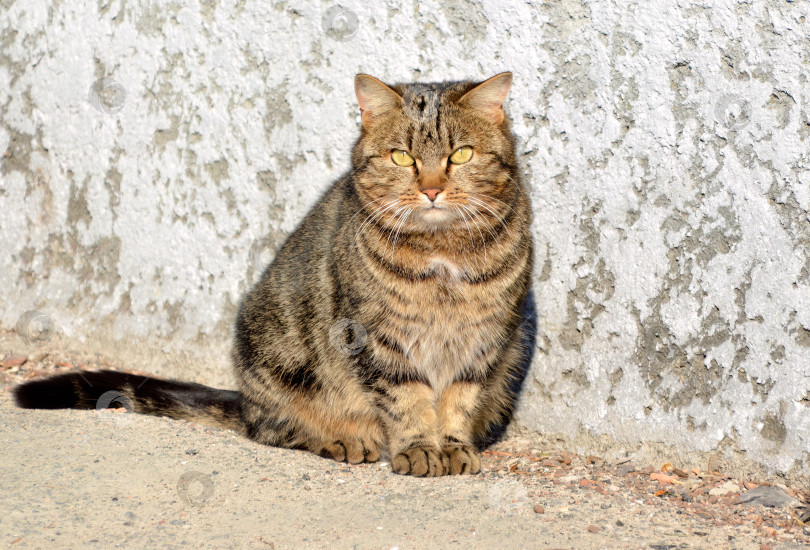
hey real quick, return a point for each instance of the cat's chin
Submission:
(435, 219)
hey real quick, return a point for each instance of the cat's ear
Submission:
(488, 97)
(374, 97)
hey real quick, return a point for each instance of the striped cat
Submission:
(393, 321)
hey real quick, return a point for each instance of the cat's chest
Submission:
(443, 321)
(445, 342)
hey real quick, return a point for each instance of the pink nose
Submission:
(432, 193)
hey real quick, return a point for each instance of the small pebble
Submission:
(625, 469)
(594, 528)
(539, 509)
(725, 489)
(767, 495)
(15, 360)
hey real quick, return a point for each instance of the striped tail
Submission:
(140, 394)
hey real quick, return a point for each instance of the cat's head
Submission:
(437, 156)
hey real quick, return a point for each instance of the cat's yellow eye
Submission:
(461, 155)
(401, 158)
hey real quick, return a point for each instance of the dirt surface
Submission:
(98, 479)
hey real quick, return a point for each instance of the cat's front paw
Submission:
(462, 459)
(420, 461)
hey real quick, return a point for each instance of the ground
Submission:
(110, 479)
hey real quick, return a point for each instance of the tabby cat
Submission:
(393, 320)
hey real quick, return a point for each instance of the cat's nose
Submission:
(432, 193)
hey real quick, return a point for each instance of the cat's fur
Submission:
(387, 324)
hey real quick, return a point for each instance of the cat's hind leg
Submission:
(308, 424)
(353, 450)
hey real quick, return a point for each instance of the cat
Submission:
(392, 322)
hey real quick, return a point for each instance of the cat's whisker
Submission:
(490, 197)
(458, 209)
(373, 216)
(487, 227)
(377, 211)
(480, 203)
(483, 221)
(477, 199)
(480, 234)
(401, 226)
(475, 215)
(391, 231)
(363, 208)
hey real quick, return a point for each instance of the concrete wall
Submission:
(157, 152)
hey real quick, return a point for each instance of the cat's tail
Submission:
(140, 394)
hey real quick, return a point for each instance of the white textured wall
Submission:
(157, 152)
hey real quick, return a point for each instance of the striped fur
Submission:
(138, 394)
(386, 327)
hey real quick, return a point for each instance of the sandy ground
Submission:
(99, 479)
